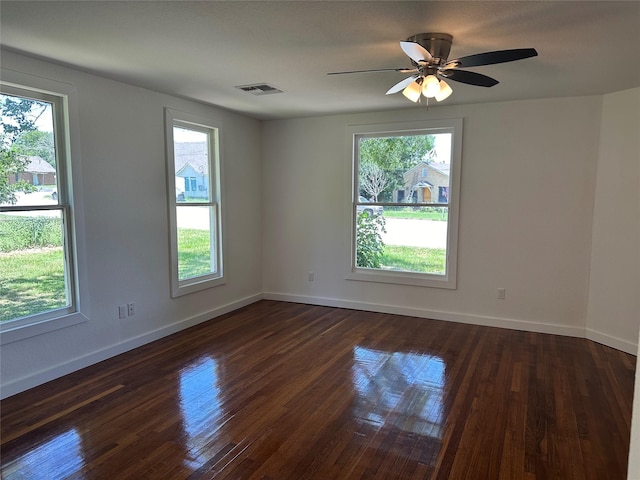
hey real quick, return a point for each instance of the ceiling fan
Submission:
(429, 52)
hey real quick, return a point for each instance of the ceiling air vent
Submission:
(259, 89)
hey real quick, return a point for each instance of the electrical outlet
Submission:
(311, 277)
(122, 311)
(502, 293)
(131, 309)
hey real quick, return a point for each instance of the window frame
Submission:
(63, 98)
(426, 127)
(174, 118)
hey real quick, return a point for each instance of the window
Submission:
(405, 203)
(190, 184)
(195, 216)
(38, 269)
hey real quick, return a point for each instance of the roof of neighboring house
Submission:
(191, 153)
(36, 164)
(443, 168)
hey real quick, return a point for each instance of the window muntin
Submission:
(405, 203)
(193, 167)
(36, 250)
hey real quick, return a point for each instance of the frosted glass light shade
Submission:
(431, 86)
(444, 92)
(412, 91)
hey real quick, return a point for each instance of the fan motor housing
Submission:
(438, 44)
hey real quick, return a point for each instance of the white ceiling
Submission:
(202, 50)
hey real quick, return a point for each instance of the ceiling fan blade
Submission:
(490, 58)
(401, 70)
(401, 85)
(471, 78)
(416, 52)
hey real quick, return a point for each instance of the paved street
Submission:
(416, 233)
(410, 233)
(196, 218)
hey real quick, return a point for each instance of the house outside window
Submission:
(405, 202)
(38, 270)
(195, 199)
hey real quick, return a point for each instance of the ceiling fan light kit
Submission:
(413, 90)
(429, 53)
(444, 92)
(430, 86)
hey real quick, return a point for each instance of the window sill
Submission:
(196, 285)
(9, 334)
(402, 278)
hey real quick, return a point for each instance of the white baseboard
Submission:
(19, 385)
(25, 383)
(555, 329)
(613, 342)
(566, 330)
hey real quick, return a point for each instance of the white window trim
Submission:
(449, 280)
(20, 329)
(184, 287)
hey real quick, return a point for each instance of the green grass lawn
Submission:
(194, 253)
(414, 259)
(31, 282)
(428, 213)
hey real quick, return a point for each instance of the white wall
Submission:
(527, 196)
(613, 314)
(121, 142)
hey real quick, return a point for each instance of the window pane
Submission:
(196, 237)
(28, 167)
(412, 169)
(32, 264)
(191, 158)
(407, 168)
(407, 239)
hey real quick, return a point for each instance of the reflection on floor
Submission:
(402, 392)
(201, 409)
(56, 458)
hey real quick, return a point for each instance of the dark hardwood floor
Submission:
(288, 391)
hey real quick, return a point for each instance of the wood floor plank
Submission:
(288, 391)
